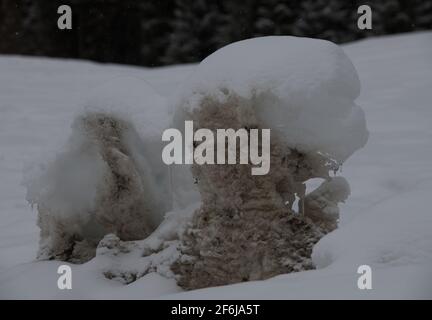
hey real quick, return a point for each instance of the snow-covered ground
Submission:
(386, 223)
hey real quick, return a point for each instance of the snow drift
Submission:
(105, 180)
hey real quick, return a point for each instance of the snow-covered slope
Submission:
(386, 223)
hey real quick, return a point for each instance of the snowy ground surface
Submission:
(386, 223)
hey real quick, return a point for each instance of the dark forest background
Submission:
(154, 33)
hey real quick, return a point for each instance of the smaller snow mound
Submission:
(135, 99)
(104, 179)
(303, 89)
(100, 183)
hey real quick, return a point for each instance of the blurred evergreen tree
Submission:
(239, 19)
(392, 16)
(108, 30)
(10, 25)
(156, 27)
(276, 17)
(422, 14)
(195, 30)
(153, 33)
(327, 19)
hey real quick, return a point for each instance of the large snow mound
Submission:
(303, 89)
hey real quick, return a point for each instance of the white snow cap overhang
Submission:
(301, 88)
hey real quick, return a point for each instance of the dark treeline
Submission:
(154, 33)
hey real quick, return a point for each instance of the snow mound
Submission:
(108, 177)
(68, 182)
(137, 101)
(134, 98)
(303, 89)
(128, 99)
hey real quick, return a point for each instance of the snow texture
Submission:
(107, 178)
(303, 89)
(386, 224)
(116, 195)
(246, 228)
(137, 101)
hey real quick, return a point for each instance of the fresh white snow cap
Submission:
(303, 89)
